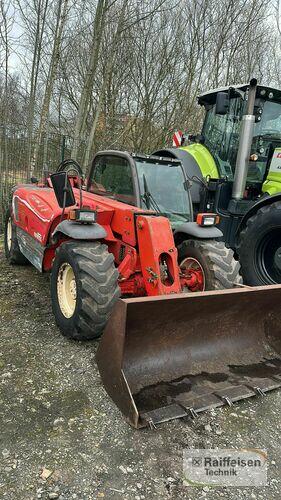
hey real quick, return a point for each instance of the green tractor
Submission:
(234, 168)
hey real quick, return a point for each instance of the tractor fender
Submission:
(80, 231)
(263, 201)
(193, 229)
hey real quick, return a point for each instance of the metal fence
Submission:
(15, 166)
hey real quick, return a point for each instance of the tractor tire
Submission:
(215, 261)
(259, 247)
(84, 289)
(12, 250)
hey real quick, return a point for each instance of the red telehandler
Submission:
(165, 352)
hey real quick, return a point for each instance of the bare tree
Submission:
(125, 73)
(37, 11)
(98, 28)
(6, 22)
(52, 73)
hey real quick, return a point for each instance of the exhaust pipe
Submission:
(245, 142)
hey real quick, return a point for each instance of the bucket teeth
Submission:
(180, 409)
(164, 414)
(259, 391)
(168, 357)
(227, 400)
(193, 413)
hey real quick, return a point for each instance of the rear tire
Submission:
(12, 250)
(217, 262)
(84, 289)
(259, 247)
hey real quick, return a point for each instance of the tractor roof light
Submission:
(207, 219)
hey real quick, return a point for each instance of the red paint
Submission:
(192, 276)
(143, 245)
(156, 239)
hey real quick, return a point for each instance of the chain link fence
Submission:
(15, 154)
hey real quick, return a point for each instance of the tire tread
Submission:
(98, 285)
(223, 269)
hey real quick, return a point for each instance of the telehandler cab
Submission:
(164, 353)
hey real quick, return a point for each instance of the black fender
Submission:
(79, 231)
(194, 230)
(263, 201)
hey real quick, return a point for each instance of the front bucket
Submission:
(167, 357)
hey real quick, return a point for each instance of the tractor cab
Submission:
(221, 132)
(144, 181)
(235, 168)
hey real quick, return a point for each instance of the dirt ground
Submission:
(55, 417)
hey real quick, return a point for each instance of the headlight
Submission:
(207, 219)
(83, 215)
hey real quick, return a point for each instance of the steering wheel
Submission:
(71, 167)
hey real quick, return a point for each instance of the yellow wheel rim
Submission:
(67, 290)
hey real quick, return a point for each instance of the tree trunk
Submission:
(61, 18)
(4, 32)
(108, 70)
(90, 76)
(40, 26)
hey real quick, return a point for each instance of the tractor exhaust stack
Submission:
(162, 358)
(245, 142)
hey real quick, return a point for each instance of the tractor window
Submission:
(111, 176)
(221, 133)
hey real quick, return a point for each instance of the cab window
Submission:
(112, 177)
(221, 134)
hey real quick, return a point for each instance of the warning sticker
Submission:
(275, 165)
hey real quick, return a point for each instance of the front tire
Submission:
(259, 247)
(213, 261)
(84, 289)
(12, 249)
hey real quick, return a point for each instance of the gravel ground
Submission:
(62, 437)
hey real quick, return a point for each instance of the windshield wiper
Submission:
(148, 199)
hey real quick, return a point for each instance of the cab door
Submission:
(114, 176)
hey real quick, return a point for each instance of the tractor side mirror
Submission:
(222, 103)
(63, 189)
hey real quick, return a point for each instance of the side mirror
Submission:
(222, 103)
(63, 189)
